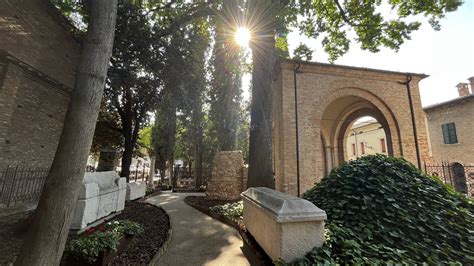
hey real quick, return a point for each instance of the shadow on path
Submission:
(197, 238)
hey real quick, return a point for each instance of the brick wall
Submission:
(329, 95)
(461, 113)
(38, 58)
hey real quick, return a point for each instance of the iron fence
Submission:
(19, 184)
(459, 176)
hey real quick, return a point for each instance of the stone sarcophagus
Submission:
(285, 226)
(102, 193)
(135, 190)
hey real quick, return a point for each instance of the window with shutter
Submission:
(449, 133)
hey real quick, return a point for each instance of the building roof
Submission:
(449, 103)
(352, 67)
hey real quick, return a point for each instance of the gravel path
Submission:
(197, 238)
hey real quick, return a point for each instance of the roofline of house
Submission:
(450, 102)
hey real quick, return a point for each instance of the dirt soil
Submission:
(144, 247)
(13, 231)
(155, 221)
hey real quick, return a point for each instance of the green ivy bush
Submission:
(383, 210)
(230, 210)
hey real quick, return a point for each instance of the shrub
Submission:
(230, 210)
(125, 227)
(98, 239)
(383, 210)
(88, 246)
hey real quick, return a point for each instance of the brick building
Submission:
(365, 138)
(309, 132)
(38, 59)
(451, 127)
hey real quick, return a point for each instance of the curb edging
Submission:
(163, 249)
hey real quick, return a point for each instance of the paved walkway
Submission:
(197, 238)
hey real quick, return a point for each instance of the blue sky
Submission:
(446, 55)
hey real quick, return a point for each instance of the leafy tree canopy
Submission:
(303, 52)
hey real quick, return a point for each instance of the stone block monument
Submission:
(285, 226)
(227, 177)
(107, 159)
(102, 194)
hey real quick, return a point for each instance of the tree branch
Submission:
(168, 5)
(200, 13)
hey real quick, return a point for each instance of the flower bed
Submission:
(99, 245)
(144, 247)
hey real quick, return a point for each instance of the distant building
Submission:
(451, 127)
(38, 60)
(365, 138)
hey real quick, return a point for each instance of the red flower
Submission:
(90, 231)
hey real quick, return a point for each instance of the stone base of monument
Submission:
(135, 190)
(285, 226)
(102, 194)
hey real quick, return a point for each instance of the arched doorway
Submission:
(315, 108)
(338, 123)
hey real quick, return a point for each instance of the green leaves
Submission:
(372, 21)
(98, 239)
(88, 247)
(230, 210)
(382, 210)
(303, 52)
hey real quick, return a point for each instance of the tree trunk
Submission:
(260, 150)
(47, 236)
(152, 172)
(198, 163)
(127, 159)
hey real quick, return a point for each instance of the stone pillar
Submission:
(107, 159)
(226, 181)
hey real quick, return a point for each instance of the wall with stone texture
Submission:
(227, 177)
(460, 112)
(319, 86)
(38, 60)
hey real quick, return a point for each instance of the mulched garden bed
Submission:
(143, 248)
(254, 253)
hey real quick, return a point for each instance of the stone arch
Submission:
(342, 107)
(343, 130)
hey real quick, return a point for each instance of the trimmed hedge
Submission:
(383, 210)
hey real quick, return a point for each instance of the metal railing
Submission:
(459, 176)
(21, 184)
